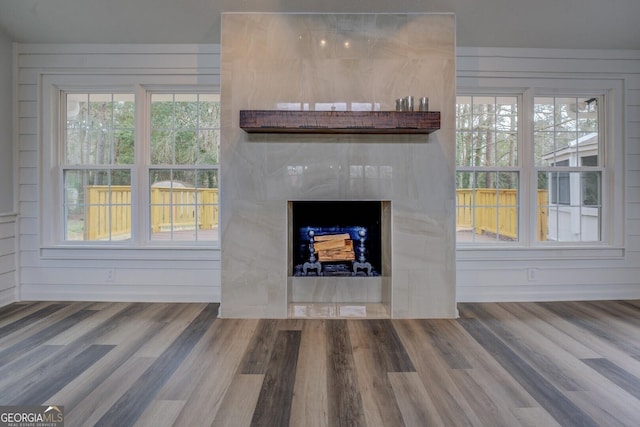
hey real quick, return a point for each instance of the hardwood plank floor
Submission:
(499, 364)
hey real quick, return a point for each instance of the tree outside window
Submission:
(487, 179)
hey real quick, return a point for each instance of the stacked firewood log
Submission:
(334, 247)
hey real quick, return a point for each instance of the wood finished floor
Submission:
(499, 364)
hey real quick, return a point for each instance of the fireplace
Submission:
(359, 228)
(336, 238)
(273, 60)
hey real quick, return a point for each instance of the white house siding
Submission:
(195, 275)
(171, 275)
(524, 275)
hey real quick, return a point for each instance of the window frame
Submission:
(52, 239)
(516, 169)
(146, 165)
(611, 244)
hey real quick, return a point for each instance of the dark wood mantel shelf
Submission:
(372, 122)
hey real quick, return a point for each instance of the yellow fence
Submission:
(108, 210)
(175, 208)
(496, 212)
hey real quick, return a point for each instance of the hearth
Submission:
(336, 238)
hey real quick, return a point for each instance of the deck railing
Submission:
(495, 212)
(175, 209)
(108, 210)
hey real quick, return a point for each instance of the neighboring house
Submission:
(574, 205)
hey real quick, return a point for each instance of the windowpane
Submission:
(186, 147)
(162, 147)
(487, 207)
(463, 113)
(185, 129)
(464, 207)
(97, 204)
(463, 148)
(590, 185)
(559, 187)
(565, 114)
(544, 148)
(570, 202)
(487, 131)
(587, 146)
(209, 111)
(543, 114)
(208, 146)
(99, 128)
(184, 204)
(564, 127)
(186, 111)
(506, 148)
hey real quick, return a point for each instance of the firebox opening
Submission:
(336, 238)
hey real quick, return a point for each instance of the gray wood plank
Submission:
(258, 354)
(549, 397)
(599, 326)
(449, 401)
(43, 385)
(345, 401)
(42, 336)
(390, 352)
(133, 403)
(448, 342)
(273, 407)
(27, 320)
(617, 375)
(374, 360)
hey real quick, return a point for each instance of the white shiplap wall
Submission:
(98, 274)
(175, 276)
(7, 209)
(7, 259)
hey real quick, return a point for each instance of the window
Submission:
(135, 166)
(559, 188)
(183, 182)
(567, 147)
(487, 179)
(530, 170)
(97, 166)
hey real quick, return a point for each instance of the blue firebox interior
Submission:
(360, 219)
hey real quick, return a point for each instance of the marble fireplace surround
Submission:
(344, 61)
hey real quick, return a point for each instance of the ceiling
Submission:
(571, 24)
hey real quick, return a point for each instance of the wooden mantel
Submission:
(372, 122)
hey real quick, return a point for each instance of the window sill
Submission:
(506, 253)
(164, 253)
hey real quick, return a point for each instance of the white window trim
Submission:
(52, 243)
(612, 242)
